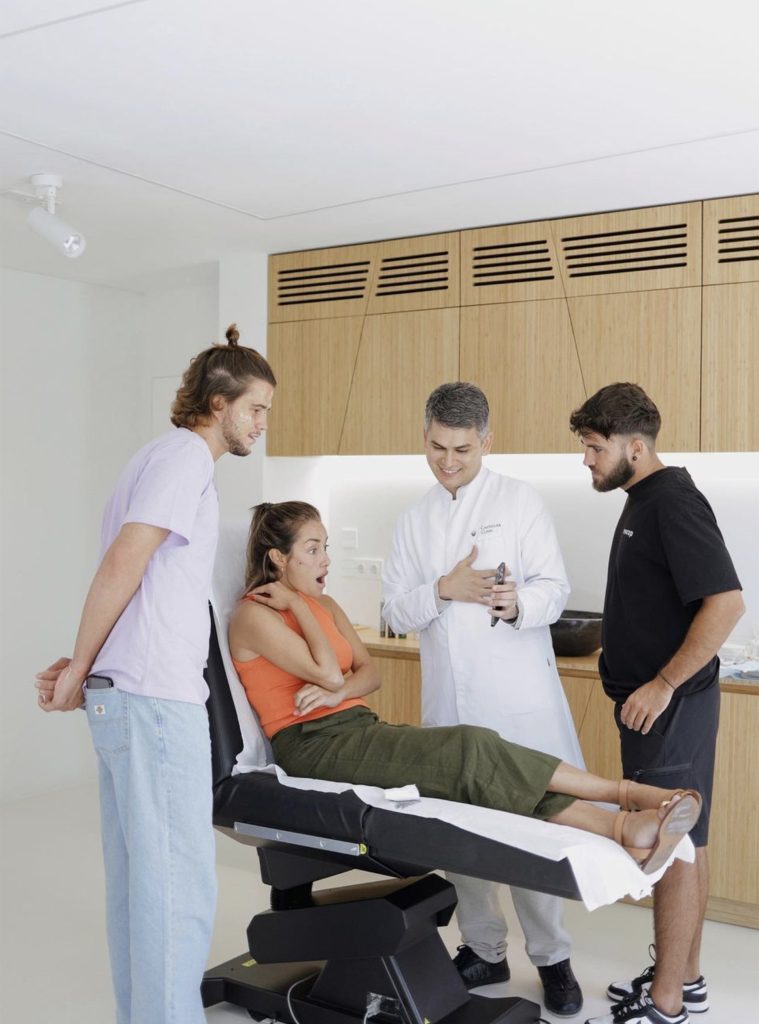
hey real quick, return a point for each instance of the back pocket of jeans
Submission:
(107, 714)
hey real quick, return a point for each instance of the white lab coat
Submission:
(500, 677)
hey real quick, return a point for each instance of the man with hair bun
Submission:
(672, 599)
(137, 669)
(486, 651)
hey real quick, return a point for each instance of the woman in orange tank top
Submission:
(305, 672)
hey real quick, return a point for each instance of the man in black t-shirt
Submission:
(672, 599)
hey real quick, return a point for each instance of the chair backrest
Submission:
(237, 739)
(226, 738)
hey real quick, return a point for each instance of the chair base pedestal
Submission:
(337, 951)
(261, 989)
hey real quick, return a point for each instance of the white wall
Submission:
(69, 387)
(242, 300)
(369, 493)
(88, 375)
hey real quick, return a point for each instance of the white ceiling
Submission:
(185, 129)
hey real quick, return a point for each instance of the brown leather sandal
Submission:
(628, 803)
(679, 818)
(623, 796)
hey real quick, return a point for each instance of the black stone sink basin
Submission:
(576, 633)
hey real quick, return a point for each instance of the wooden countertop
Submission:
(585, 667)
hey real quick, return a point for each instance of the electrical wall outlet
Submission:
(362, 568)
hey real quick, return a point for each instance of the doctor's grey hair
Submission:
(459, 405)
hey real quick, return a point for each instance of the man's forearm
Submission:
(111, 590)
(711, 626)
(115, 583)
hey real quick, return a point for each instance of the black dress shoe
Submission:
(475, 971)
(562, 994)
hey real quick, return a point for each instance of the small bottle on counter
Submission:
(382, 623)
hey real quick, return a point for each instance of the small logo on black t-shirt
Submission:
(627, 533)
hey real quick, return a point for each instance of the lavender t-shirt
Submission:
(159, 645)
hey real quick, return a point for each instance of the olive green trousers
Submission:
(462, 762)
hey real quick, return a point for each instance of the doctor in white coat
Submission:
(439, 581)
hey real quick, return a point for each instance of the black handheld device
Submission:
(500, 576)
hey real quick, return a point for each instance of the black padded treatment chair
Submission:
(356, 953)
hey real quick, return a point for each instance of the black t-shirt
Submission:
(667, 555)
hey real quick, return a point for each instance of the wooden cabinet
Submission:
(731, 240)
(320, 283)
(630, 250)
(313, 360)
(652, 338)
(401, 359)
(734, 822)
(730, 368)
(399, 699)
(523, 355)
(510, 263)
(541, 315)
(416, 273)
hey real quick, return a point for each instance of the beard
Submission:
(618, 476)
(235, 446)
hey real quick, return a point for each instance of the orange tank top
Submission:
(271, 691)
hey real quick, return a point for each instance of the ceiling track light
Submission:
(44, 220)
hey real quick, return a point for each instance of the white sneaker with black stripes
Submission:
(639, 1010)
(695, 995)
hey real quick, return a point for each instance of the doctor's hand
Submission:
(312, 696)
(59, 687)
(463, 583)
(644, 705)
(503, 601)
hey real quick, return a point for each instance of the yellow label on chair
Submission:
(249, 963)
(362, 848)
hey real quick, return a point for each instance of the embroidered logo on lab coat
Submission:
(486, 528)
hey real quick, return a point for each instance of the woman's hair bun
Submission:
(232, 335)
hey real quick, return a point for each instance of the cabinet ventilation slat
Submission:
(507, 245)
(340, 275)
(411, 259)
(625, 231)
(426, 274)
(410, 291)
(340, 285)
(630, 270)
(638, 248)
(500, 273)
(518, 263)
(515, 280)
(332, 282)
(325, 266)
(409, 275)
(628, 251)
(733, 240)
(330, 298)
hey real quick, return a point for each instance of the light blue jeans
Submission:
(155, 806)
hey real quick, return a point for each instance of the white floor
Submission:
(54, 965)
